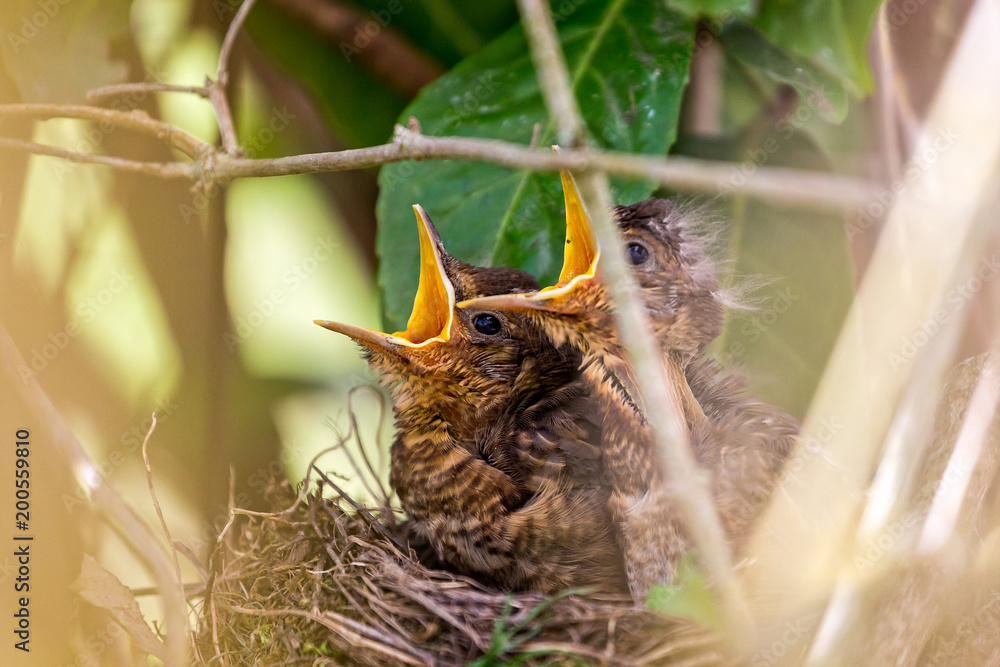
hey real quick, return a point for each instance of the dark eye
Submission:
(486, 324)
(636, 253)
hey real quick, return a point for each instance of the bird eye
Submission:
(636, 253)
(486, 324)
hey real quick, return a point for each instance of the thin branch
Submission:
(553, 76)
(135, 120)
(689, 485)
(222, 75)
(136, 532)
(163, 522)
(217, 89)
(160, 169)
(117, 89)
(787, 186)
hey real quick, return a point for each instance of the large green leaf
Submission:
(628, 61)
(722, 9)
(818, 88)
(834, 33)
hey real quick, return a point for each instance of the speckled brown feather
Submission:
(494, 462)
(742, 442)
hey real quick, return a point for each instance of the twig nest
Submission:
(321, 584)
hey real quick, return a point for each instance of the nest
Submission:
(329, 582)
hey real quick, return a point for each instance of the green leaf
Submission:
(834, 34)
(819, 89)
(55, 52)
(628, 61)
(688, 597)
(712, 8)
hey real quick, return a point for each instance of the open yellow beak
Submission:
(581, 255)
(433, 307)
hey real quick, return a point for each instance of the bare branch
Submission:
(787, 186)
(138, 121)
(217, 89)
(222, 75)
(163, 521)
(689, 485)
(160, 169)
(117, 89)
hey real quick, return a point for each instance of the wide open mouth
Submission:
(433, 307)
(581, 255)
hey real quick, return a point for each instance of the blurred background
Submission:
(129, 294)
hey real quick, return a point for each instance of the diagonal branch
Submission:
(159, 169)
(138, 121)
(217, 89)
(689, 484)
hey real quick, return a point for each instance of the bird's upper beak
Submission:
(433, 307)
(581, 255)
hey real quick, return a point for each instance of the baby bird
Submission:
(742, 442)
(496, 460)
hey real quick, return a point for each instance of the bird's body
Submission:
(497, 461)
(742, 442)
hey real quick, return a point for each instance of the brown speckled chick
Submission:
(741, 441)
(496, 460)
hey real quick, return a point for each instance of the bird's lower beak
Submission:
(433, 307)
(580, 259)
(580, 253)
